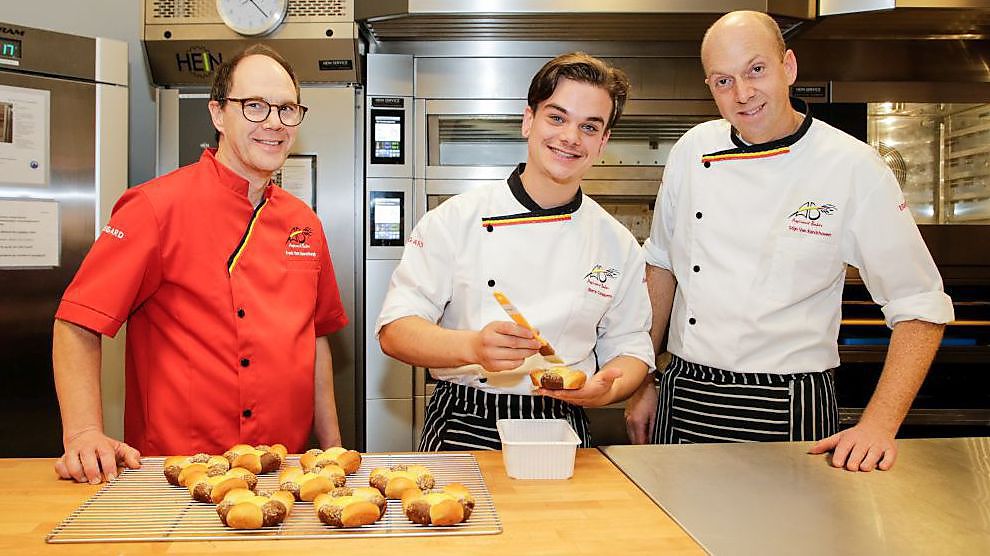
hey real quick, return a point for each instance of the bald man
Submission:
(757, 219)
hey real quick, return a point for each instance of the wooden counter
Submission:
(597, 512)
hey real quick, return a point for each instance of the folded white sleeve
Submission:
(885, 245)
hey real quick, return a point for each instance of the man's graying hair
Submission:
(225, 73)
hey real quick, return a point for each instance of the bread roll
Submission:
(350, 507)
(305, 486)
(206, 488)
(178, 468)
(558, 378)
(348, 460)
(451, 506)
(243, 509)
(395, 480)
(259, 459)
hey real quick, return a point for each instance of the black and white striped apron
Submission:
(705, 404)
(463, 418)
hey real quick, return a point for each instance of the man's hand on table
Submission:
(92, 457)
(860, 448)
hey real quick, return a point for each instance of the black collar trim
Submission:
(778, 146)
(536, 212)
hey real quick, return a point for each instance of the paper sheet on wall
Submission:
(296, 177)
(29, 233)
(24, 135)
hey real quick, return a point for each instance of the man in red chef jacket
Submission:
(227, 286)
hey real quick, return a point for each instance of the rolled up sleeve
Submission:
(625, 328)
(892, 258)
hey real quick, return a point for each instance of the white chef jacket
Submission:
(574, 271)
(759, 236)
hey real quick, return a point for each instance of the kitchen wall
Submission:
(120, 20)
(113, 19)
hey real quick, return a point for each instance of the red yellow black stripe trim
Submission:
(743, 155)
(236, 255)
(744, 151)
(517, 219)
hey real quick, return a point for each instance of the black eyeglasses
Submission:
(257, 110)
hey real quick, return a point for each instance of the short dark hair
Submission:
(584, 68)
(225, 73)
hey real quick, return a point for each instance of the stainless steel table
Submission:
(774, 498)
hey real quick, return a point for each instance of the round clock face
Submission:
(252, 17)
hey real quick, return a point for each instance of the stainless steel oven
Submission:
(465, 143)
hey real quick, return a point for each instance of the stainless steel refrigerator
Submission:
(63, 163)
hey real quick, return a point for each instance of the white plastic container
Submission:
(538, 448)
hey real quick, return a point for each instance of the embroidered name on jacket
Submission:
(297, 242)
(597, 280)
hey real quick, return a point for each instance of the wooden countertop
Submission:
(597, 512)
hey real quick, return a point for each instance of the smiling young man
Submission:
(758, 216)
(228, 290)
(566, 264)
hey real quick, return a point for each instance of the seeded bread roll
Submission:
(206, 488)
(348, 460)
(558, 378)
(243, 509)
(179, 468)
(350, 507)
(258, 459)
(306, 485)
(451, 506)
(393, 481)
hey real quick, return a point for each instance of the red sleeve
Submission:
(330, 315)
(121, 270)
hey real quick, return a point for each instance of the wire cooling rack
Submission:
(140, 505)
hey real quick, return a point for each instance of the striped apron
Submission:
(463, 418)
(704, 404)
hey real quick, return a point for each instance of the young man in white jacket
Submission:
(571, 268)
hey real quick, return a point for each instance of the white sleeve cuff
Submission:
(932, 306)
(656, 255)
(635, 344)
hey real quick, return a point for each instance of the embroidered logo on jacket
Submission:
(805, 219)
(299, 239)
(812, 210)
(598, 278)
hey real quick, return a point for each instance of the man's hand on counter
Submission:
(860, 448)
(93, 457)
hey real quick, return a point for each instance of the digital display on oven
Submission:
(387, 130)
(386, 218)
(10, 49)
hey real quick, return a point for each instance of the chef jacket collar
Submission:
(776, 145)
(519, 192)
(227, 177)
